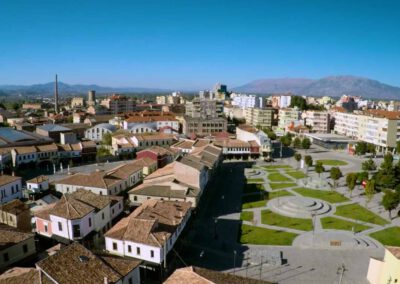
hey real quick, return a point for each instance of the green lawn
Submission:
(254, 180)
(262, 236)
(388, 237)
(282, 185)
(260, 200)
(277, 167)
(270, 218)
(296, 174)
(329, 196)
(253, 187)
(332, 162)
(357, 212)
(247, 216)
(274, 177)
(339, 224)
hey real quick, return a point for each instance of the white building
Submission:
(150, 231)
(38, 184)
(10, 188)
(248, 134)
(96, 132)
(319, 121)
(76, 215)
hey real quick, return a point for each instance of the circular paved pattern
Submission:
(301, 207)
(335, 240)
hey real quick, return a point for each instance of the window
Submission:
(138, 250)
(135, 198)
(115, 246)
(6, 257)
(59, 226)
(45, 228)
(90, 222)
(11, 219)
(129, 248)
(25, 248)
(152, 253)
(130, 281)
(102, 215)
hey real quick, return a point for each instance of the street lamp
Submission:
(234, 262)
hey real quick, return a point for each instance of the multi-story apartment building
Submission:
(150, 231)
(288, 116)
(318, 121)
(378, 127)
(78, 214)
(247, 101)
(261, 117)
(281, 101)
(204, 108)
(119, 104)
(203, 127)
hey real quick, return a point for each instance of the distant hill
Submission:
(48, 89)
(269, 86)
(334, 86)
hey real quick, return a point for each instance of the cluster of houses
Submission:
(93, 209)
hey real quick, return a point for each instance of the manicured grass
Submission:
(254, 180)
(274, 177)
(296, 174)
(357, 212)
(254, 200)
(270, 218)
(333, 162)
(277, 167)
(329, 196)
(260, 200)
(272, 195)
(339, 224)
(262, 236)
(253, 187)
(281, 185)
(247, 216)
(388, 236)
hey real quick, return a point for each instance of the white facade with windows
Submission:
(96, 133)
(10, 188)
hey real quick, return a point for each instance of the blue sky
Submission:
(192, 44)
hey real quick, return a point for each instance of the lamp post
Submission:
(234, 262)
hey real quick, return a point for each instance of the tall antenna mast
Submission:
(56, 95)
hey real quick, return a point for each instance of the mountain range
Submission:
(63, 88)
(333, 86)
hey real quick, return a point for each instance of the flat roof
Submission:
(330, 137)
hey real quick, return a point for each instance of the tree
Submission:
(271, 135)
(296, 142)
(299, 102)
(286, 140)
(306, 143)
(336, 174)
(308, 161)
(368, 165)
(390, 201)
(362, 176)
(351, 180)
(297, 157)
(106, 140)
(371, 149)
(319, 168)
(361, 148)
(369, 191)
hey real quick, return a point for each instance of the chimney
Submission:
(56, 95)
(106, 280)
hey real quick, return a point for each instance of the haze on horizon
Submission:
(193, 44)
